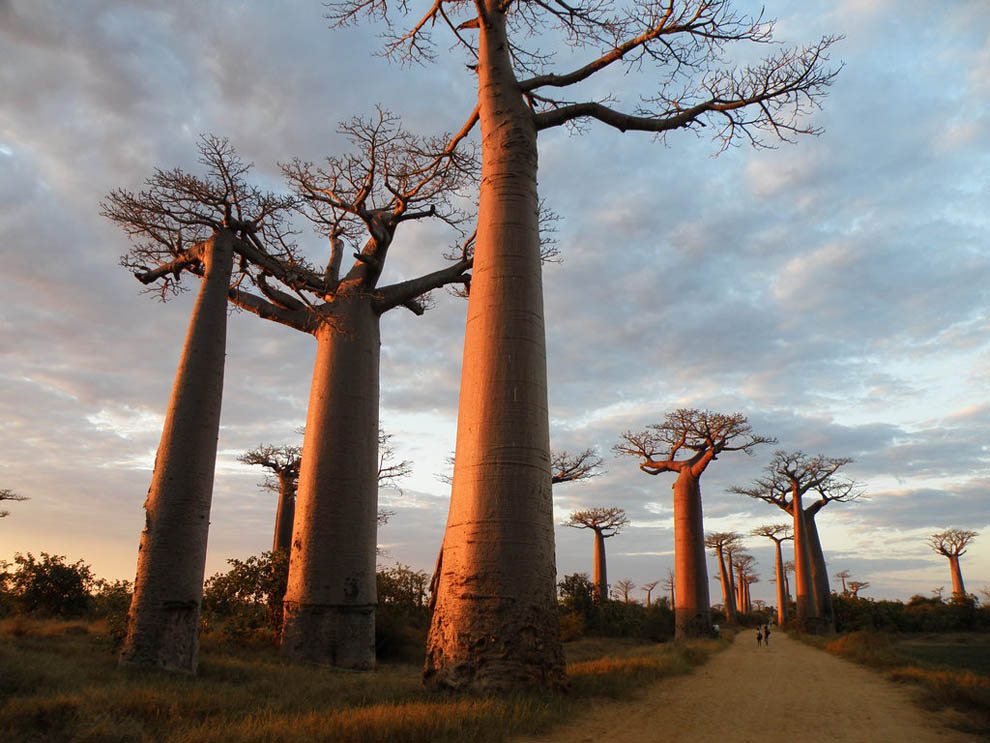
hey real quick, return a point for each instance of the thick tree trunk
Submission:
(692, 617)
(807, 615)
(781, 587)
(601, 576)
(163, 621)
(727, 592)
(741, 591)
(282, 540)
(495, 624)
(958, 589)
(330, 601)
(819, 576)
(732, 583)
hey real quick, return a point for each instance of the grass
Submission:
(59, 682)
(951, 670)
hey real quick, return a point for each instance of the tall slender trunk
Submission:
(787, 587)
(495, 624)
(286, 511)
(803, 586)
(329, 609)
(601, 575)
(819, 575)
(732, 583)
(692, 618)
(727, 592)
(958, 589)
(163, 621)
(741, 591)
(781, 586)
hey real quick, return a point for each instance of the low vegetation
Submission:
(952, 670)
(59, 682)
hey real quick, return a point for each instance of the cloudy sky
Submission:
(835, 290)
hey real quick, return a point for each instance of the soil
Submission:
(787, 692)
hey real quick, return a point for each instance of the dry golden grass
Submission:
(965, 691)
(59, 682)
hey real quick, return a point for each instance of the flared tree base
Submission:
(329, 635)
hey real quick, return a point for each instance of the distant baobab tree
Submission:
(648, 588)
(952, 544)
(778, 533)
(686, 443)
(744, 576)
(183, 224)
(670, 586)
(788, 569)
(504, 632)
(9, 495)
(622, 588)
(855, 586)
(605, 523)
(721, 542)
(842, 575)
(789, 477)
(283, 461)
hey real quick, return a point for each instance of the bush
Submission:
(247, 599)
(580, 615)
(48, 586)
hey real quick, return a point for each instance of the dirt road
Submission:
(787, 692)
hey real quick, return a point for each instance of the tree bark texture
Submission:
(282, 540)
(163, 621)
(804, 594)
(495, 624)
(329, 608)
(819, 577)
(601, 573)
(781, 586)
(727, 593)
(958, 589)
(692, 617)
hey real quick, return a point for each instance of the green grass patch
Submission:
(59, 681)
(952, 670)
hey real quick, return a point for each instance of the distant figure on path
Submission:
(759, 637)
(766, 634)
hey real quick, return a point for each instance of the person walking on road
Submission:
(759, 636)
(766, 634)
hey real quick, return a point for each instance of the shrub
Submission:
(49, 586)
(247, 599)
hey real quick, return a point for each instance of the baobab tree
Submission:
(283, 461)
(842, 575)
(359, 200)
(605, 523)
(744, 576)
(788, 569)
(9, 495)
(779, 533)
(686, 443)
(183, 224)
(952, 543)
(722, 542)
(789, 477)
(622, 588)
(670, 586)
(495, 624)
(648, 588)
(855, 586)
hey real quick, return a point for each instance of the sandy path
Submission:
(737, 696)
